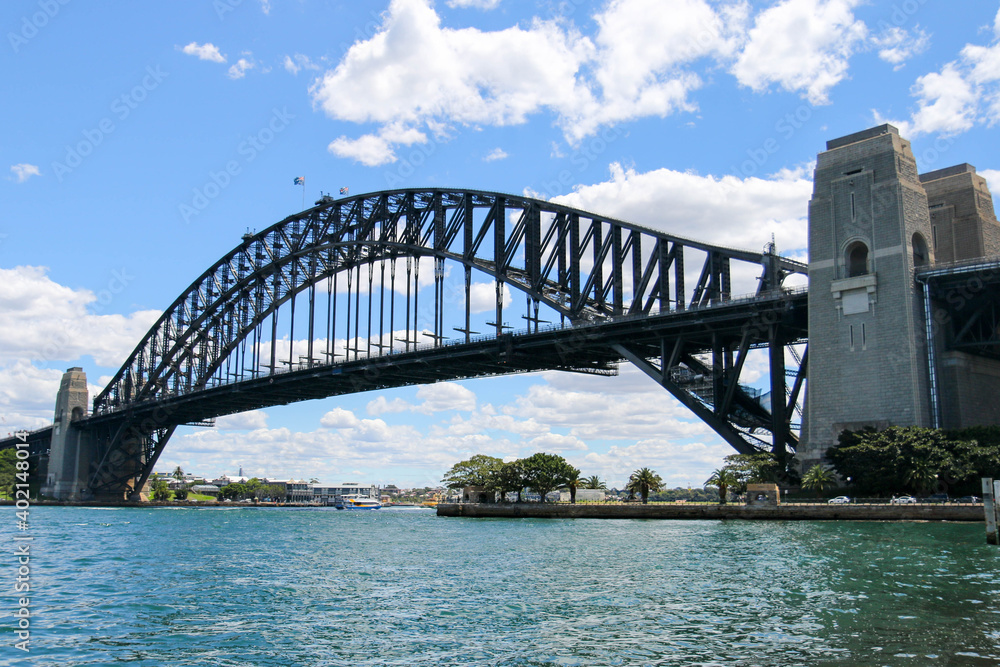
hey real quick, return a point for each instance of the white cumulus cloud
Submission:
(897, 45)
(24, 171)
(416, 78)
(726, 210)
(298, 62)
(801, 45)
(961, 94)
(485, 5)
(206, 51)
(495, 154)
(240, 68)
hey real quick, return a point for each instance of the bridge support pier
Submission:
(72, 449)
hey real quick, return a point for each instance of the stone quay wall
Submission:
(792, 512)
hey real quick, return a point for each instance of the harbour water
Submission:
(252, 586)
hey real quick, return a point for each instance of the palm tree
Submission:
(723, 478)
(644, 480)
(921, 476)
(572, 481)
(818, 477)
(178, 474)
(593, 482)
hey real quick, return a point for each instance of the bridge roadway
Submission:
(588, 348)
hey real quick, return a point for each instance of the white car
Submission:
(839, 500)
(903, 500)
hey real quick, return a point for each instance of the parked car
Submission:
(903, 500)
(839, 500)
(937, 498)
(969, 499)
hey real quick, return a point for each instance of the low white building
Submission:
(584, 495)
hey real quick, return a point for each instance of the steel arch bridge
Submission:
(332, 300)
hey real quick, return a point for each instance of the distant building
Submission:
(225, 480)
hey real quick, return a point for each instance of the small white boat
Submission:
(358, 503)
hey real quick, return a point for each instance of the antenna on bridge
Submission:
(772, 247)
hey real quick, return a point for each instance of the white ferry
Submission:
(354, 502)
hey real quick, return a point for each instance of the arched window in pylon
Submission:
(921, 255)
(856, 259)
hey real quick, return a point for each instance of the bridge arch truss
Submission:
(365, 277)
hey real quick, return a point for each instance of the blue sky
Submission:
(140, 140)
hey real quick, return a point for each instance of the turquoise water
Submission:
(248, 586)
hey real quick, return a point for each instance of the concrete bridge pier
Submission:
(72, 450)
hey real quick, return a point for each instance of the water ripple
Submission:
(235, 587)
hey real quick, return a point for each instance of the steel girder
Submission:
(582, 267)
(966, 299)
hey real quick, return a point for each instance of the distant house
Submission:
(225, 480)
(205, 489)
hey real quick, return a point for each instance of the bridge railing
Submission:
(977, 263)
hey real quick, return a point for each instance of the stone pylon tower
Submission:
(869, 227)
(70, 453)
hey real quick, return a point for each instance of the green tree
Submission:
(760, 468)
(546, 472)
(722, 478)
(178, 474)
(8, 471)
(898, 458)
(818, 478)
(161, 491)
(476, 471)
(594, 482)
(181, 494)
(253, 488)
(643, 481)
(273, 492)
(232, 491)
(508, 477)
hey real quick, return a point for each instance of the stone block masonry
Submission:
(873, 220)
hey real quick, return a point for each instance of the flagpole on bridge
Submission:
(301, 180)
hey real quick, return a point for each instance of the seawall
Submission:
(792, 512)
